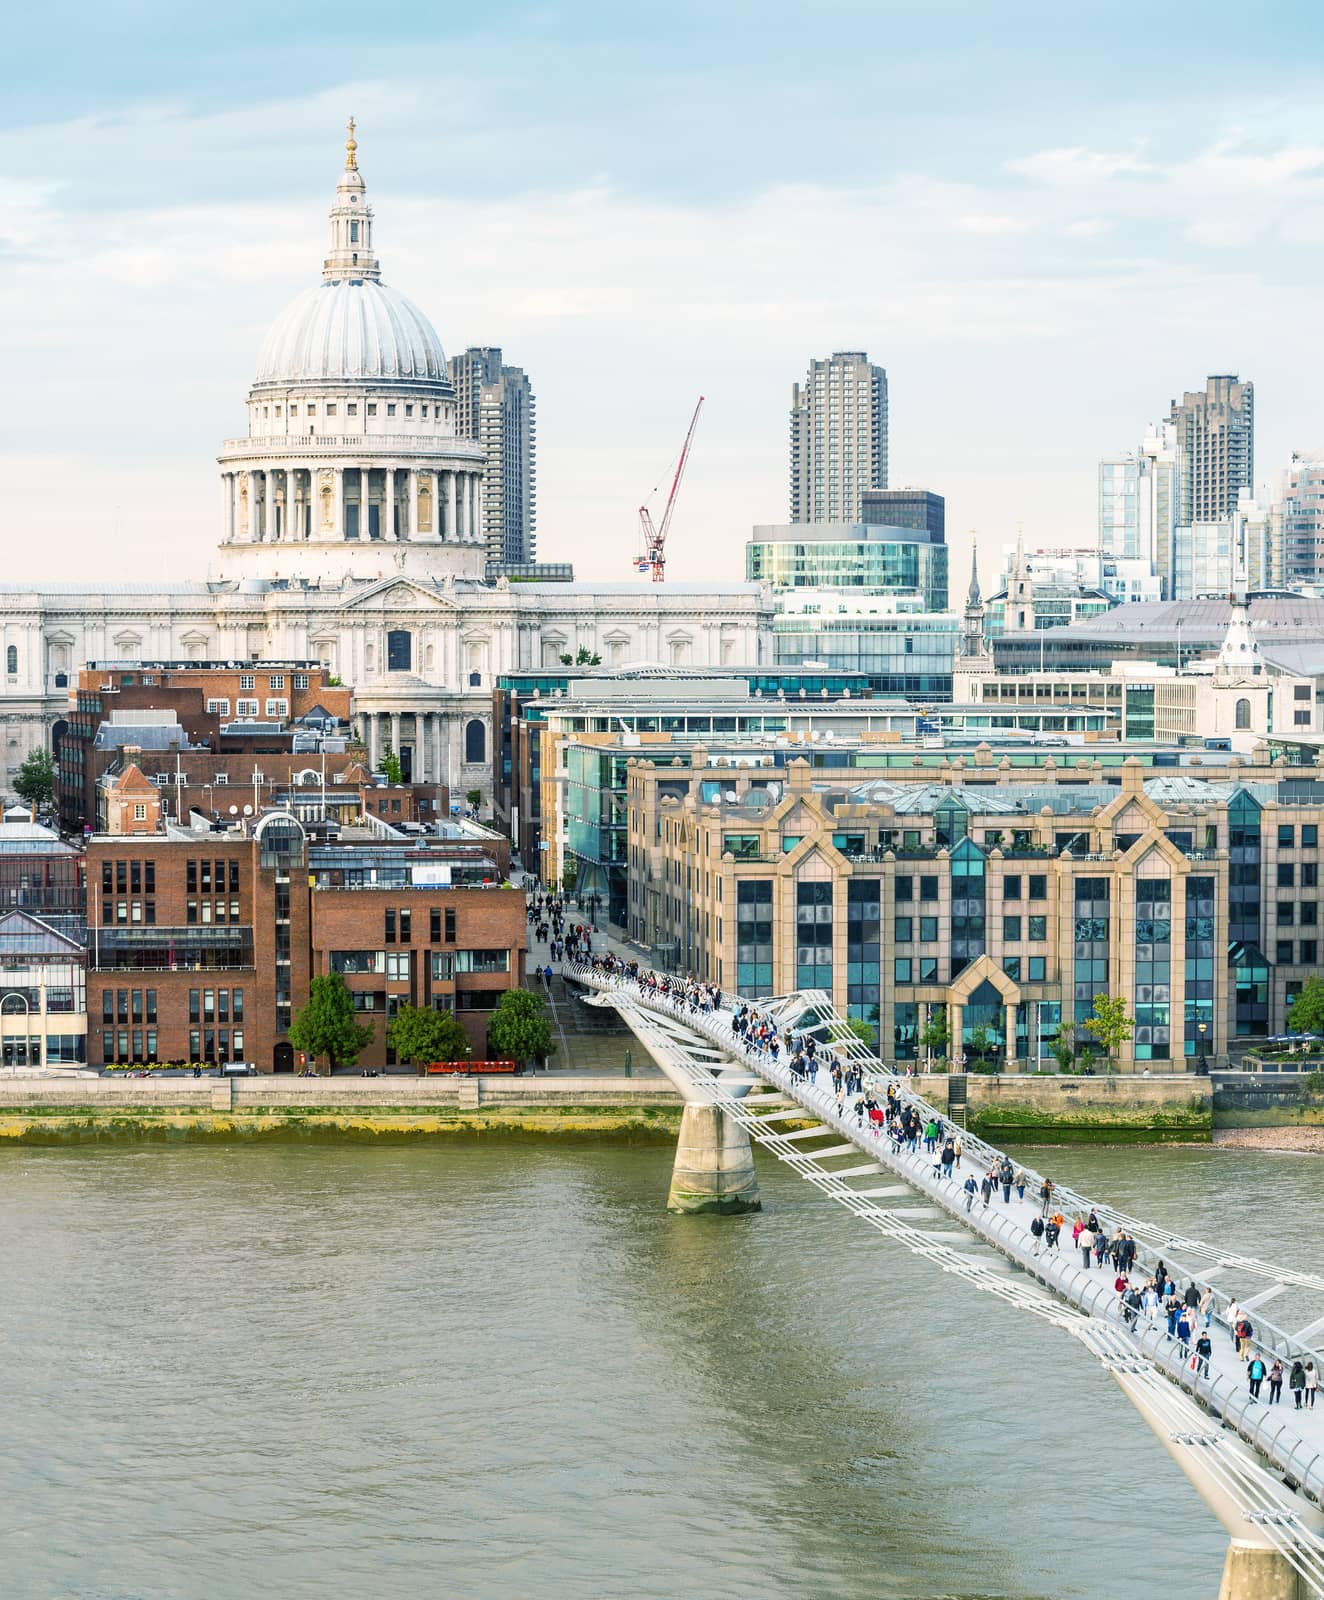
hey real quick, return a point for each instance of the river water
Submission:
(491, 1371)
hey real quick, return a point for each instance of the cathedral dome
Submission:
(351, 330)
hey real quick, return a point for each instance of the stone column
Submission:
(436, 506)
(1254, 1573)
(451, 532)
(395, 734)
(269, 506)
(388, 506)
(292, 528)
(226, 529)
(956, 1022)
(480, 529)
(1009, 1027)
(714, 1170)
(411, 531)
(365, 515)
(438, 764)
(338, 531)
(421, 720)
(471, 499)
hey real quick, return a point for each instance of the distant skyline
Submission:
(1043, 237)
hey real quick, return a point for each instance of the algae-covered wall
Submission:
(1124, 1109)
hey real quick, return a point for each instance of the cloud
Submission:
(1074, 166)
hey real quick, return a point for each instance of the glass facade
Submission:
(1091, 944)
(967, 904)
(1153, 976)
(905, 654)
(1244, 871)
(863, 948)
(813, 935)
(878, 565)
(1200, 929)
(754, 936)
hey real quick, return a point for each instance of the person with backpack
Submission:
(1053, 1230)
(1244, 1333)
(1296, 1382)
(1275, 1382)
(1255, 1376)
(1204, 1348)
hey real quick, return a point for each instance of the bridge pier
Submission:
(714, 1171)
(1253, 1573)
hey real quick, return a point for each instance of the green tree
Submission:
(326, 1025)
(418, 1034)
(1109, 1027)
(586, 658)
(935, 1035)
(35, 780)
(1307, 1010)
(519, 1029)
(570, 874)
(566, 659)
(473, 796)
(391, 768)
(1063, 1052)
(865, 1032)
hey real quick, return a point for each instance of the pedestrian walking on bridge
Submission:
(1255, 1376)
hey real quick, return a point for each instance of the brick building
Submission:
(202, 944)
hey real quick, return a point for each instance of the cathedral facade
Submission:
(352, 534)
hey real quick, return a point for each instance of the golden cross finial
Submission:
(351, 159)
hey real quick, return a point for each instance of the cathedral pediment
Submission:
(400, 594)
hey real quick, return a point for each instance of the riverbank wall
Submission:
(1122, 1109)
(1019, 1110)
(80, 1110)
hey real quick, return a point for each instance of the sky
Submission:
(1044, 221)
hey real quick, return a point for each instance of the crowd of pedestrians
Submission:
(1144, 1297)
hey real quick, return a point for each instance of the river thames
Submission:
(501, 1370)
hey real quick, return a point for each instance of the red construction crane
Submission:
(653, 541)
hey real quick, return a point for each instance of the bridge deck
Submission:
(1054, 1284)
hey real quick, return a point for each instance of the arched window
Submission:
(1243, 713)
(399, 650)
(475, 742)
(11, 658)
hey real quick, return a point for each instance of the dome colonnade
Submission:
(351, 428)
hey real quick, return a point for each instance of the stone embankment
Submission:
(1307, 1139)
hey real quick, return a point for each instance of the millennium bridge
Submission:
(1259, 1468)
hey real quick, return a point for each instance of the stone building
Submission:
(1006, 898)
(352, 535)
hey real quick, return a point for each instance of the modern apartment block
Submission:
(495, 406)
(1138, 504)
(895, 560)
(1297, 533)
(202, 943)
(906, 508)
(1007, 898)
(1215, 445)
(838, 438)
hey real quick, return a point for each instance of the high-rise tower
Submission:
(1215, 441)
(838, 437)
(495, 406)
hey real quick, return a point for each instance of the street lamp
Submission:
(1202, 1028)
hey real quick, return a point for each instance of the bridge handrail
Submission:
(1268, 1336)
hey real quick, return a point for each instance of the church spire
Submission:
(973, 597)
(350, 257)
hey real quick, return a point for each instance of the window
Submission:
(928, 929)
(1011, 930)
(1310, 836)
(139, 812)
(300, 680)
(1308, 950)
(1037, 966)
(443, 965)
(1038, 886)
(397, 967)
(390, 409)
(399, 650)
(1306, 913)
(475, 742)
(246, 680)
(11, 658)
(905, 888)
(1243, 713)
(1038, 928)
(246, 708)
(1286, 875)
(1310, 875)
(276, 681)
(928, 887)
(372, 408)
(348, 961)
(901, 969)
(1286, 836)
(1011, 887)
(901, 930)
(1286, 913)
(406, 925)
(352, 409)
(219, 708)
(278, 708)
(450, 924)
(1012, 967)
(928, 969)
(390, 926)
(434, 926)
(482, 961)
(1283, 953)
